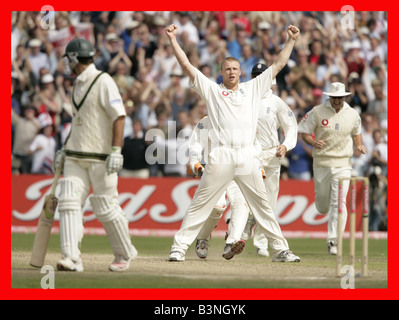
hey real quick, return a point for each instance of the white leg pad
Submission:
(71, 221)
(112, 217)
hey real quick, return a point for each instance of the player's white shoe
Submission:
(120, 263)
(177, 256)
(285, 256)
(201, 248)
(231, 249)
(332, 248)
(67, 264)
(262, 252)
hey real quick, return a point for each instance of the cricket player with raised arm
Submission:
(274, 114)
(233, 110)
(93, 158)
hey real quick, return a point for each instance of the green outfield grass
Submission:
(152, 270)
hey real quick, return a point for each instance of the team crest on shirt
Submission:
(225, 93)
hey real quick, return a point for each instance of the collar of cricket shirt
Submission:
(88, 73)
(230, 90)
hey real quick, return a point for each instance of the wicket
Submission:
(352, 223)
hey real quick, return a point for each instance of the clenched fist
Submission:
(293, 32)
(171, 31)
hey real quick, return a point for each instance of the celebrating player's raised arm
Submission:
(284, 55)
(187, 67)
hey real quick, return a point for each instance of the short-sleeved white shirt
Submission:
(275, 113)
(233, 115)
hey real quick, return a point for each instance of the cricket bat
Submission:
(45, 224)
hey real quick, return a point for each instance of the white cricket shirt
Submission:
(233, 115)
(275, 113)
(337, 129)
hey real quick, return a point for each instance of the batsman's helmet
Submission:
(79, 48)
(258, 69)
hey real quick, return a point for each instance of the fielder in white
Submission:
(336, 128)
(233, 110)
(93, 157)
(274, 114)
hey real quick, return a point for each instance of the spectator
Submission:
(369, 123)
(236, 36)
(184, 25)
(247, 61)
(124, 80)
(83, 26)
(358, 99)
(177, 94)
(379, 154)
(316, 56)
(164, 62)
(37, 59)
(141, 39)
(379, 105)
(354, 60)
(133, 151)
(303, 76)
(333, 64)
(43, 146)
(378, 199)
(21, 67)
(45, 99)
(63, 33)
(360, 164)
(120, 56)
(26, 128)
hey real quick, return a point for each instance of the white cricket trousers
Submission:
(326, 183)
(225, 165)
(272, 184)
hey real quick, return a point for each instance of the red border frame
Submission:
(193, 294)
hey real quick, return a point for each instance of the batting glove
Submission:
(58, 161)
(114, 161)
(194, 168)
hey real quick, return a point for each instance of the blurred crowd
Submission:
(133, 48)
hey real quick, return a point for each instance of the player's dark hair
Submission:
(86, 61)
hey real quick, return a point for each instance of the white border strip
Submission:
(216, 233)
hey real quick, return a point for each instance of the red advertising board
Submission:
(156, 206)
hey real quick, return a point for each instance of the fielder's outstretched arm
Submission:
(187, 67)
(284, 55)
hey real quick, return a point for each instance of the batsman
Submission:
(92, 155)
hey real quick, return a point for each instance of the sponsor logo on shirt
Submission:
(325, 122)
